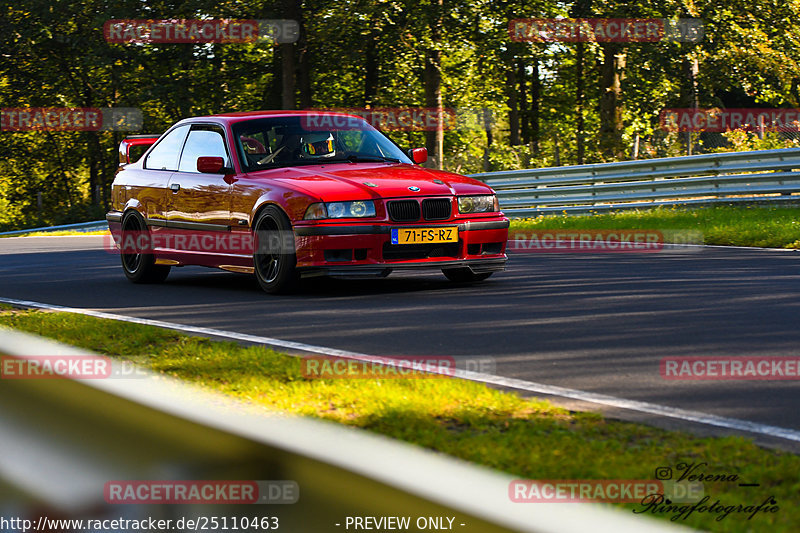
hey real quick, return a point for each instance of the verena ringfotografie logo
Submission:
(197, 31)
(70, 119)
(375, 367)
(722, 368)
(616, 30)
(691, 476)
(399, 119)
(721, 120)
(201, 492)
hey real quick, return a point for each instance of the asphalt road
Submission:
(598, 323)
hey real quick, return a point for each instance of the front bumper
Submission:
(477, 266)
(365, 250)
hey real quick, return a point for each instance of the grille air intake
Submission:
(436, 209)
(404, 210)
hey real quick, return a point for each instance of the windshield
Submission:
(312, 139)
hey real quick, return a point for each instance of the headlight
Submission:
(315, 212)
(477, 204)
(356, 209)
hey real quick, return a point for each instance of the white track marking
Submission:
(735, 247)
(529, 386)
(188, 329)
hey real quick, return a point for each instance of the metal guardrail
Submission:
(733, 177)
(764, 176)
(63, 439)
(81, 226)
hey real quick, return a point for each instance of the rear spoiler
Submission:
(141, 141)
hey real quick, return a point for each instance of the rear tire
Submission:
(275, 257)
(139, 267)
(464, 275)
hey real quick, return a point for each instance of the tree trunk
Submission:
(434, 140)
(536, 90)
(611, 124)
(94, 161)
(94, 152)
(513, 105)
(579, 103)
(580, 9)
(522, 79)
(371, 66)
(556, 150)
(287, 76)
(689, 93)
(288, 62)
(487, 126)
(304, 63)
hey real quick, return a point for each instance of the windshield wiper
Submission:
(271, 164)
(355, 158)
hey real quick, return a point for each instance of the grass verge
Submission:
(768, 227)
(527, 438)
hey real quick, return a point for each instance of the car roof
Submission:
(231, 118)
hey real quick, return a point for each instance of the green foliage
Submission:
(372, 53)
(742, 141)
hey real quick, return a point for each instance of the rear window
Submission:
(136, 152)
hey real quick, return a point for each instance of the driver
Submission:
(318, 145)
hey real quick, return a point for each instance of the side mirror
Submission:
(418, 155)
(210, 165)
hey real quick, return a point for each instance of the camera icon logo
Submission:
(663, 473)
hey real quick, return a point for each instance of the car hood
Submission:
(357, 181)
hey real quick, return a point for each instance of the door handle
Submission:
(175, 187)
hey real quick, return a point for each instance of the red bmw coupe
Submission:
(291, 194)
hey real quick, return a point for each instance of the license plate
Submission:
(424, 235)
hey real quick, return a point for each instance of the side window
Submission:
(165, 154)
(203, 141)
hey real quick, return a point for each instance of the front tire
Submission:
(139, 267)
(275, 257)
(464, 275)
